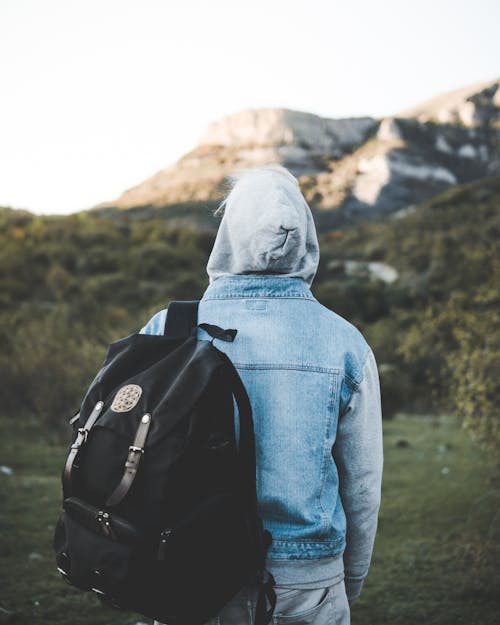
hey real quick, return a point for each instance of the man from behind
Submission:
(314, 389)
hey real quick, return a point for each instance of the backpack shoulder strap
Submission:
(181, 318)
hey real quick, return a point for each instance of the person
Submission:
(314, 389)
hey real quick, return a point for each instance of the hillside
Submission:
(425, 287)
(422, 286)
(349, 169)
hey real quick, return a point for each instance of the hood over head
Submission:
(267, 227)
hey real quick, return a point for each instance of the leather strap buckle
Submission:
(134, 449)
(80, 440)
(135, 453)
(84, 433)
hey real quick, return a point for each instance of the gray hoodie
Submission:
(267, 227)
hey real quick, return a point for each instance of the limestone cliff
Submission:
(350, 168)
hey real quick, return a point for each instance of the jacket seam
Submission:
(277, 365)
(326, 452)
(300, 549)
(352, 383)
(258, 296)
(308, 541)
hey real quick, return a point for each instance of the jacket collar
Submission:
(257, 285)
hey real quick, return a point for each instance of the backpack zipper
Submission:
(166, 534)
(162, 547)
(104, 520)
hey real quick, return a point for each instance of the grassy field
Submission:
(436, 561)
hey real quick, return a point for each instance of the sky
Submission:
(98, 95)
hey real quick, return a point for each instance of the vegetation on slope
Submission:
(69, 285)
(437, 327)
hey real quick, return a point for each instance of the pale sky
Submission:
(97, 95)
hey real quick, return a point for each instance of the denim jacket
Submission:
(313, 385)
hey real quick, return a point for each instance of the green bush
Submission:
(69, 285)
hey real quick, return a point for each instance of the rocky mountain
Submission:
(348, 168)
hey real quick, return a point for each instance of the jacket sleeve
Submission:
(156, 325)
(358, 454)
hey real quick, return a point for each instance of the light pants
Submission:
(321, 606)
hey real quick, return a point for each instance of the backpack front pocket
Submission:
(94, 549)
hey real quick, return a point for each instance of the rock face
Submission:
(372, 270)
(348, 168)
(471, 106)
(301, 141)
(273, 128)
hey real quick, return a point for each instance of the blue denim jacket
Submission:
(313, 385)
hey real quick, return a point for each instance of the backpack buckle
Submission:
(135, 449)
(133, 460)
(81, 439)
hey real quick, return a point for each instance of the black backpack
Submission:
(159, 501)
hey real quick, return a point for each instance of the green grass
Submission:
(30, 587)
(437, 555)
(436, 558)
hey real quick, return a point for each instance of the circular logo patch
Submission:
(126, 398)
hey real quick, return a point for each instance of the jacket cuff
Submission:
(353, 586)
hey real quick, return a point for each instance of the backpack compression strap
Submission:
(135, 452)
(80, 440)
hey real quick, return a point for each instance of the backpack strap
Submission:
(181, 317)
(80, 440)
(135, 452)
(264, 579)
